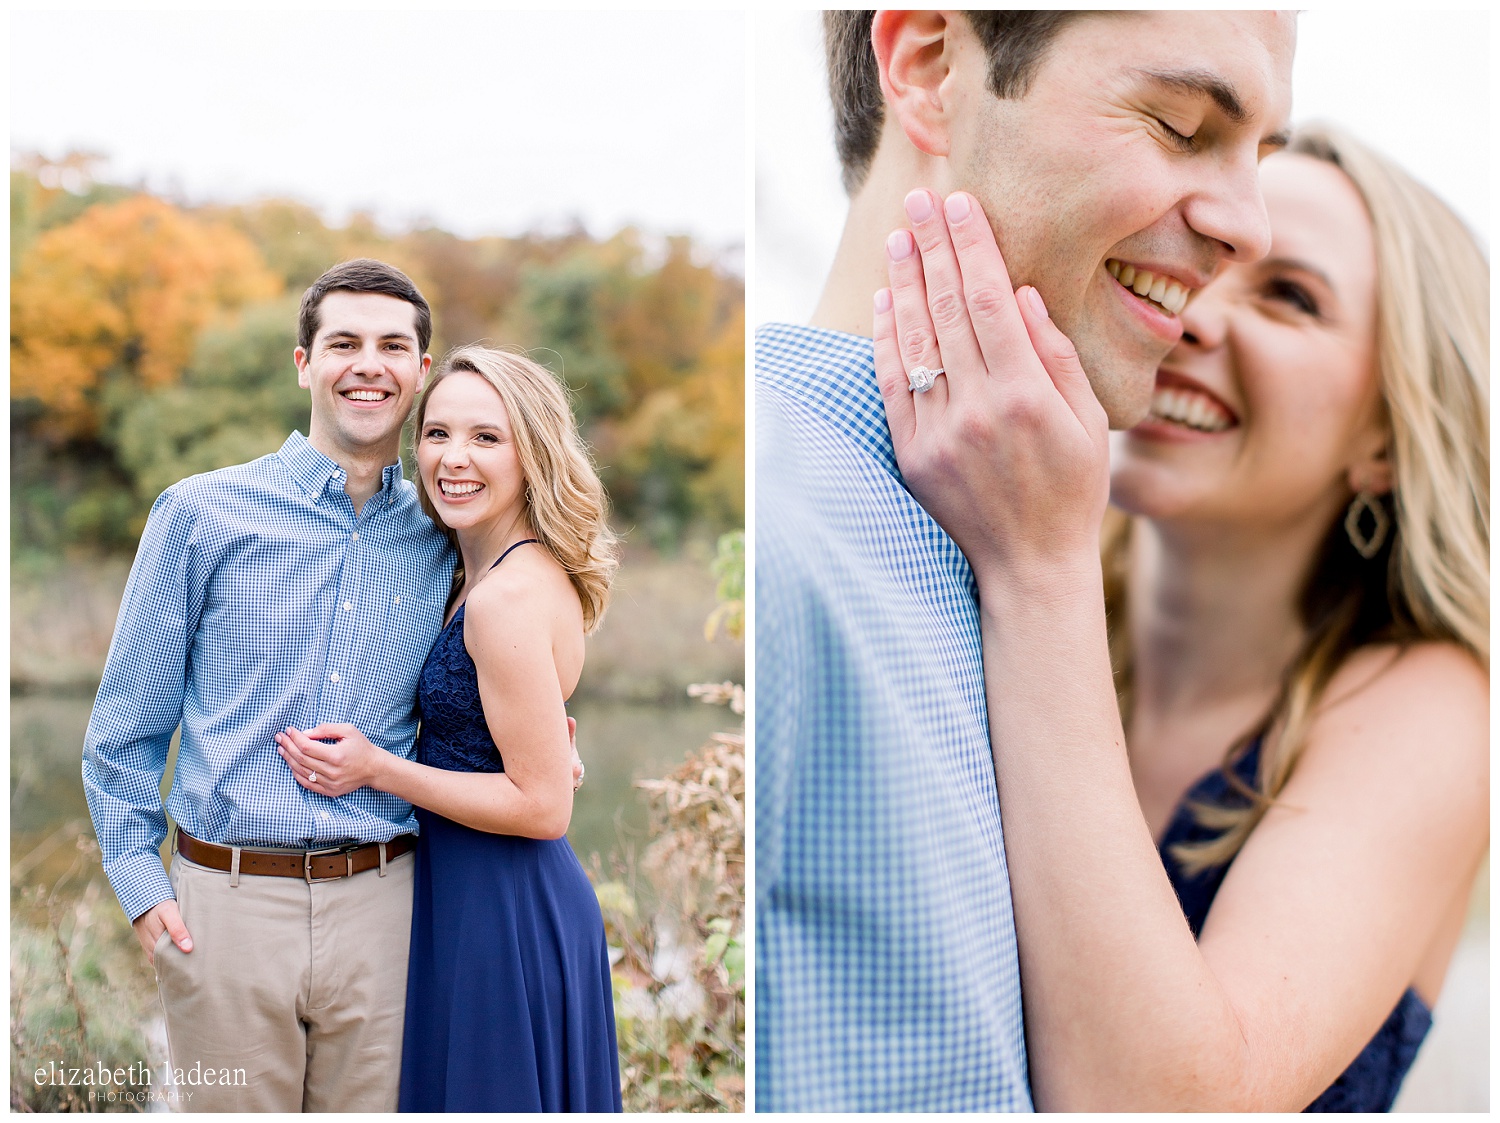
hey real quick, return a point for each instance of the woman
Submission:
(509, 1002)
(1299, 611)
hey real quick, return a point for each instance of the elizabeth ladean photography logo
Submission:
(134, 1084)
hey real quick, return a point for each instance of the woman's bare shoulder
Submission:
(1425, 675)
(1423, 706)
(529, 588)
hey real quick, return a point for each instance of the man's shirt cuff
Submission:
(139, 881)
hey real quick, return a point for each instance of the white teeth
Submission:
(1187, 407)
(366, 395)
(458, 488)
(1159, 289)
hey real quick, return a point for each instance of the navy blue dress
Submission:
(1372, 1081)
(509, 1004)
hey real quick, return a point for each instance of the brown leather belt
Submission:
(325, 864)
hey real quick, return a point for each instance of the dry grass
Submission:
(80, 991)
(675, 918)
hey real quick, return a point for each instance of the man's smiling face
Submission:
(1126, 176)
(365, 369)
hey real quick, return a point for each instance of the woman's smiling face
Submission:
(466, 455)
(1268, 411)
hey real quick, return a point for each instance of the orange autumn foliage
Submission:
(125, 288)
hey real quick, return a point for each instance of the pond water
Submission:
(619, 742)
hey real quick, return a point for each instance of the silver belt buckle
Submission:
(347, 850)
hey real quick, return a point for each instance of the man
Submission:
(886, 969)
(303, 587)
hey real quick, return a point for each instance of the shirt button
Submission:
(324, 816)
(333, 677)
(348, 605)
(398, 598)
(355, 536)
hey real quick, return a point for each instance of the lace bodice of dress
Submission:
(454, 734)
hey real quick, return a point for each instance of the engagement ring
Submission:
(312, 777)
(923, 379)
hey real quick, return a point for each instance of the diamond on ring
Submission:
(922, 379)
(312, 777)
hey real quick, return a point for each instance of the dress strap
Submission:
(523, 542)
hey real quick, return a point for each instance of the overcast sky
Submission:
(1413, 84)
(483, 122)
(489, 122)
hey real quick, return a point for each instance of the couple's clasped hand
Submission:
(335, 759)
(1008, 450)
(331, 759)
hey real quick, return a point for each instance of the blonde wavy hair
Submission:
(1430, 580)
(565, 502)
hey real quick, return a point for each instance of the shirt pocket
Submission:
(412, 623)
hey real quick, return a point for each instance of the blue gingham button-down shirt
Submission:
(259, 600)
(886, 974)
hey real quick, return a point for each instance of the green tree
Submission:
(237, 400)
(564, 309)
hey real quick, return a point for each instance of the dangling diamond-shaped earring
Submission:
(1367, 547)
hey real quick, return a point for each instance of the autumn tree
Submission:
(473, 282)
(679, 456)
(677, 308)
(149, 342)
(120, 295)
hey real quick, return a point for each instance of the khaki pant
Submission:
(293, 996)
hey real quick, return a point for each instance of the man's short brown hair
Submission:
(363, 274)
(1015, 42)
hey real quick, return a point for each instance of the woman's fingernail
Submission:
(883, 301)
(957, 207)
(919, 205)
(900, 245)
(1036, 302)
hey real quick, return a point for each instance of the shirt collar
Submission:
(832, 373)
(313, 471)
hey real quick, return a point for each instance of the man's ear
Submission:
(422, 378)
(915, 55)
(299, 356)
